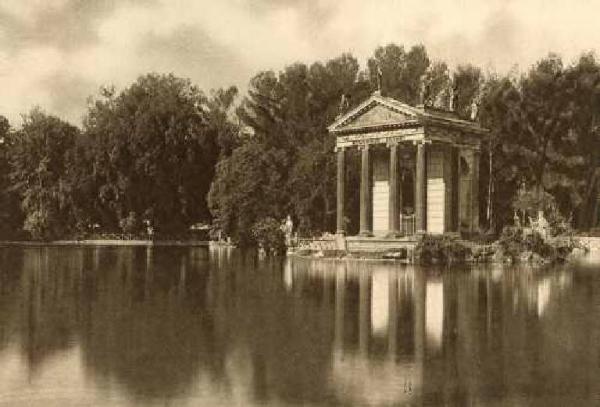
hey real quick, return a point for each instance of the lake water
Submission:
(195, 327)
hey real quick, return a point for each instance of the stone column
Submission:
(394, 201)
(456, 181)
(341, 179)
(448, 176)
(475, 192)
(421, 189)
(365, 193)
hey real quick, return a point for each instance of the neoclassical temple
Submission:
(419, 168)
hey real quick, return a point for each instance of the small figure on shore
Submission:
(288, 228)
(542, 225)
(149, 229)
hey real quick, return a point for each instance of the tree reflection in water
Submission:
(179, 326)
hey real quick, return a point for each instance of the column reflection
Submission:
(434, 313)
(376, 330)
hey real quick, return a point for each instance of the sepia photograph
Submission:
(277, 203)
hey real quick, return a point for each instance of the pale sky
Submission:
(55, 53)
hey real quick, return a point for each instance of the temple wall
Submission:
(380, 193)
(436, 191)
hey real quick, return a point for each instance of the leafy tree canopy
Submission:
(40, 161)
(153, 149)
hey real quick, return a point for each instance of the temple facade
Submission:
(419, 169)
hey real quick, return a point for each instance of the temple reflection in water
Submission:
(154, 327)
(395, 326)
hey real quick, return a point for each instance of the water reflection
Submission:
(190, 326)
(471, 336)
(434, 313)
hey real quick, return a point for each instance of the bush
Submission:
(37, 223)
(269, 236)
(130, 224)
(441, 249)
(529, 201)
(518, 246)
(511, 241)
(515, 243)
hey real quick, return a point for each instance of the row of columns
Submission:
(394, 195)
(395, 198)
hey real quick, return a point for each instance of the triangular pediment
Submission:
(374, 112)
(377, 115)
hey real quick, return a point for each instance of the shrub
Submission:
(130, 224)
(268, 235)
(514, 243)
(529, 201)
(511, 242)
(441, 249)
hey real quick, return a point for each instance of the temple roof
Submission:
(382, 113)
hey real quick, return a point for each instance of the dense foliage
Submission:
(10, 211)
(544, 135)
(42, 155)
(441, 250)
(163, 153)
(269, 236)
(152, 153)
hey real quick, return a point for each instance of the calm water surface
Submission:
(193, 327)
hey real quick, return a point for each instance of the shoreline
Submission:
(109, 243)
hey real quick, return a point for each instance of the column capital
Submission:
(421, 142)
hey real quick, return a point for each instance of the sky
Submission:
(56, 53)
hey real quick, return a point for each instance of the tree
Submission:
(154, 147)
(41, 156)
(222, 121)
(500, 96)
(10, 211)
(467, 81)
(533, 142)
(312, 188)
(584, 82)
(289, 113)
(544, 118)
(4, 128)
(402, 72)
(437, 79)
(247, 189)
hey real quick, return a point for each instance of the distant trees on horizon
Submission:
(162, 151)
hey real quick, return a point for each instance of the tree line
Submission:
(163, 152)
